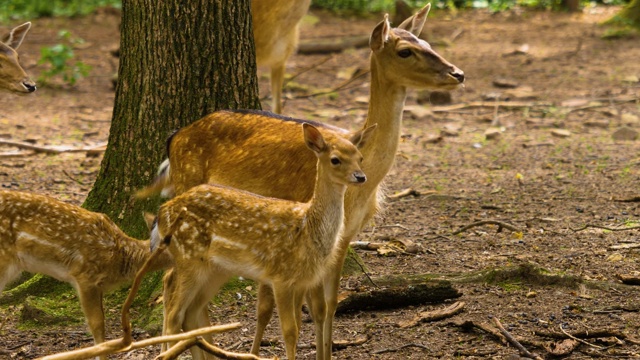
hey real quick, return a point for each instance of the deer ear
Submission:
(361, 137)
(15, 37)
(313, 138)
(380, 34)
(415, 23)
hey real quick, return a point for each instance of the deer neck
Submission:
(386, 104)
(136, 252)
(326, 214)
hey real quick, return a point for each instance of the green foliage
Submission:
(59, 58)
(32, 9)
(367, 6)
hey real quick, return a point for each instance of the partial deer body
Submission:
(229, 148)
(39, 234)
(13, 78)
(218, 231)
(275, 33)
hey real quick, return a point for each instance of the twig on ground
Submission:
(435, 315)
(512, 340)
(72, 178)
(364, 271)
(488, 222)
(403, 193)
(580, 340)
(400, 348)
(604, 228)
(49, 150)
(340, 87)
(308, 69)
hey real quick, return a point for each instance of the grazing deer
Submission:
(275, 33)
(254, 151)
(218, 231)
(12, 77)
(39, 234)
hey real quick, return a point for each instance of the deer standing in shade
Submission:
(39, 234)
(275, 34)
(217, 231)
(253, 151)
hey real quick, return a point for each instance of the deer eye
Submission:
(404, 53)
(335, 161)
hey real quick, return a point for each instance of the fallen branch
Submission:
(489, 104)
(400, 348)
(398, 296)
(523, 351)
(629, 279)
(435, 315)
(488, 222)
(338, 344)
(403, 193)
(468, 325)
(590, 334)
(605, 228)
(580, 340)
(52, 149)
(631, 199)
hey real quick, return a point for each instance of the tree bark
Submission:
(179, 61)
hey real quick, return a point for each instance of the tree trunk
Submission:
(179, 61)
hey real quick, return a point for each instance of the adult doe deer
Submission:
(39, 234)
(12, 77)
(275, 33)
(239, 148)
(218, 231)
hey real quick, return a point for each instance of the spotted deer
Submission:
(13, 78)
(221, 231)
(253, 151)
(39, 234)
(276, 33)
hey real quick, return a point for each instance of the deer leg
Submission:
(277, 81)
(318, 308)
(91, 304)
(179, 292)
(8, 273)
(286, 303)
(264, 309)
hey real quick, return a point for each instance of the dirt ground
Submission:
(553, 168)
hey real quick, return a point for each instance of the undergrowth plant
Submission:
(59, 57)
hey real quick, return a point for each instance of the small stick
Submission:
(400, 348)
(524, 352)
(605, 228)
(488, 222)
(580, 340)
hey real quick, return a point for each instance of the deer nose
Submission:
(31, 87)
(458, 75)
(360, 177)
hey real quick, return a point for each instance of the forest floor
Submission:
(557, 170)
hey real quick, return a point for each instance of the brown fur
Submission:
(286, 244)
(275, 33)
(229, 148)
(39, 234)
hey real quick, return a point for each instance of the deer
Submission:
(275, 34)
(236, 148)
(13, 78)
(217, 231)
(43, 235)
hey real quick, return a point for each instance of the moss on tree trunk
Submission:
(178, 61)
